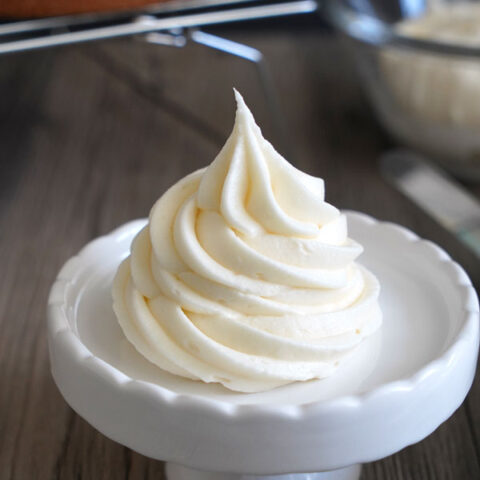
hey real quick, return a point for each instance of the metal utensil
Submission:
(436, 193)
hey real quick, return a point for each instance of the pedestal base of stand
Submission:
(177, 472)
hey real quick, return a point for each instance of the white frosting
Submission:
(244, 275)
(443, 90)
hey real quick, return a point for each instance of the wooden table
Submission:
(91, 135)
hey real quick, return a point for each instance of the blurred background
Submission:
(91, 134)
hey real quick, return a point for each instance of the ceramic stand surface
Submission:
(178, 472)
(372, 407)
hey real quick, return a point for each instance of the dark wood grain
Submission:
(91, 135)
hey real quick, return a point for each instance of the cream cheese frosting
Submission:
(244, 275)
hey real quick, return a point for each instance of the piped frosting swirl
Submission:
(244, 275)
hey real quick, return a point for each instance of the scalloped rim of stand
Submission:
(61, 330)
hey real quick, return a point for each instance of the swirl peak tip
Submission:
(241, 105)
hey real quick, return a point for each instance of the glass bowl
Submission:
(426, 91)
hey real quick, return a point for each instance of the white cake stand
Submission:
(398, 387)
